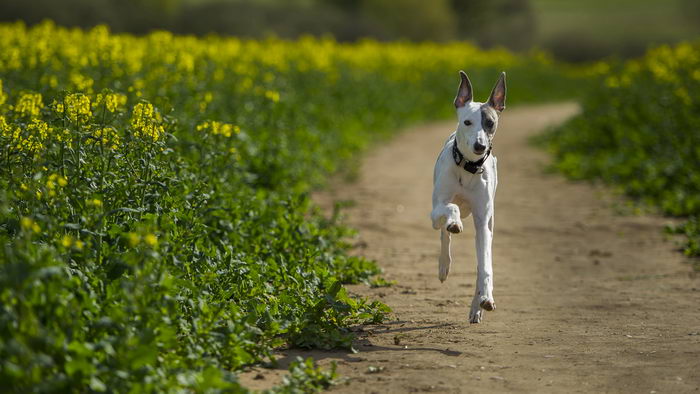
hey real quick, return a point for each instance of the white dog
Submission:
(464, 183)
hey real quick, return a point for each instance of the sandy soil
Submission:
(588, 300)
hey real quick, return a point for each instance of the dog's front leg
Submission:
(445, 257)
(445, 213)
(446, 217)
(483, 296)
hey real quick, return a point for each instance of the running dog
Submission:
(464, 183)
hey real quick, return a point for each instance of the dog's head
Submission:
(478, 121)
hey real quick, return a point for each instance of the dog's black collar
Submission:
(469, 166)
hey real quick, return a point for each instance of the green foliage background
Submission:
(155, 227)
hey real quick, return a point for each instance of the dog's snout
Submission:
(479, 148)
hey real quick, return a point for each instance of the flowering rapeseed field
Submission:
(155, 226)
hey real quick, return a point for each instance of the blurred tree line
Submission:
(488, 22)
(572, 30)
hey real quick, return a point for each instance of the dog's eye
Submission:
(467, 122)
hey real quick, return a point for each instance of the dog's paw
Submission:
(454, 227)
(475, 316)
(479, 305)
(488, 304)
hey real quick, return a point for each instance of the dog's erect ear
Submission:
(497, 100)
(464, 94)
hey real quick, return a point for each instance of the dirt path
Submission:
(588, 301)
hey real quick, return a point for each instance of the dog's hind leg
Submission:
(483, 297)
(475, 313)
(445, 257)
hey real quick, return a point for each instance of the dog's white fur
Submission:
(458, 193)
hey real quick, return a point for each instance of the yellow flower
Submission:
(272, 95)
(108, 137)
(29, 224)
(25, 137)
(81, 82)
(145, 122)
(26, 222)
(219, 128)
(79, 244)
(112, 101)
(67, 241)
(78, 107)
(3, 96)
(64, 136)
(5, 128)
(133, 239)
(150, 240)
(29, 104)
(53, 181)
(204, 102)
(95, 202)
(57, 107)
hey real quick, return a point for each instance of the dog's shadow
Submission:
(363, 344)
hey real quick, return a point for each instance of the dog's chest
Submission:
(468, 181)
(485, 181)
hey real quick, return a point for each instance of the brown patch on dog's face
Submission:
(489, 120)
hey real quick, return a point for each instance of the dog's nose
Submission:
(478, 148)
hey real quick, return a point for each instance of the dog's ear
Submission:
(464, 94)
(497, 100)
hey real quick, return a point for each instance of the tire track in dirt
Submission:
(588, 300)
